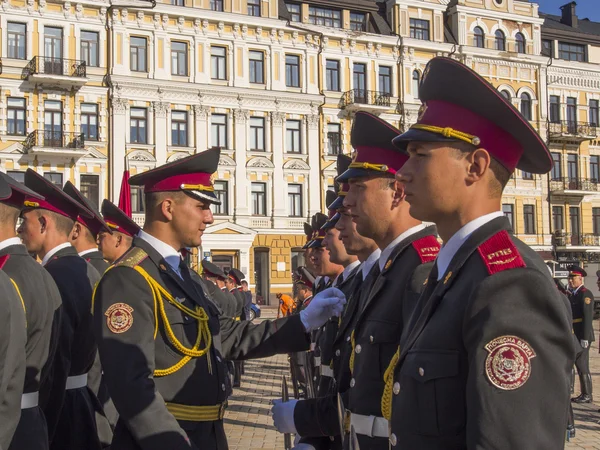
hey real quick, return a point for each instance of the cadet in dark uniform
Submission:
(161, 341)
(485, 362)
(85, 232)
(214, 275)
(68, 404)
(114, 245)
(233, 282)
(42, 305)
(582, 307)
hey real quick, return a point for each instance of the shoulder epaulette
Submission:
(3, 260)
(427, 248)
(499, 253)
(132, 258)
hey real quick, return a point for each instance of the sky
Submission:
(585, 8)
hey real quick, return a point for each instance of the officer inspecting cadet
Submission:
(486, 360)
(582, 308)
(376, 202)
(84, 236)
(161, 342)
(114, 243)
(42, 306)
(68, 404)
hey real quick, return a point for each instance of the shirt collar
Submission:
(385, 254)
(10, 241)
(171, 256)
(53, 252)
(346, 273)
(454, 244)
(577, 290)
(369, 263)
(89, 250)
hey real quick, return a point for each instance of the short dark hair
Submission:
(9, 214)
(154, 199)
(501, 173)
(89, 236)
(244, 282)
(64, 225)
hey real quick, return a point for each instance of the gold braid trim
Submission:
(448, 133)
(20, 298)
(388, 379)
(369, 166)
(198, 187)
(353, 344)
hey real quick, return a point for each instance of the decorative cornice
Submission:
(161, 109)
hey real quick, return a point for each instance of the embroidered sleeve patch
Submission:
(499, 253)
(508, 363)
(427, 248)
(588, 300)
(119, 317)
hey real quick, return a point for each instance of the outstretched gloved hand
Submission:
(324, 305)
(283, 416)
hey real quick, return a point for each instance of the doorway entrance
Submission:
(261, 275)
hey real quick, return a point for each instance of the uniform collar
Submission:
(369, 263)
(385, 254)
(53, 252)
(10, 241)
(171, 256)
(577, 290)
(88, 251)
(454, 244)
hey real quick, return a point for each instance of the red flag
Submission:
(125, 194)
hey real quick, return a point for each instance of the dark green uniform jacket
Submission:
(582, 306)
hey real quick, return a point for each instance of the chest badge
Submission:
(119, 318)
(508, 364)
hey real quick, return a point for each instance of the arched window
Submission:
(416, 81)
(520, 43)
(500, 41)
(506, 95)
(478, 37)
(526, 105)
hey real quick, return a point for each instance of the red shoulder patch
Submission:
(499, 253)
(427, 248)
(3, 260)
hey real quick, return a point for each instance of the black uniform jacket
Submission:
(486, 361)
(96, 259)
(137, 332)
(43, 307)
(222, 299)
(582, 306)
(13, 337)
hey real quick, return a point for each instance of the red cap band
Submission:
(175, 182)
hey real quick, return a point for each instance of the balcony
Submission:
(67, 73)
(575, 186)
(568, 130)
(55, 143)
(575, 241)
(360, 99)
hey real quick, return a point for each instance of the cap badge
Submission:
(119, 318)
(422, 111)
(508, 364)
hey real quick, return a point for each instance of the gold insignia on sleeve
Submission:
(388, 264)
(508, 363)
(447, 277)
(119, 318)
(588, 300)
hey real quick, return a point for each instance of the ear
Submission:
(43, 220)
(399, 194)
(166, 208)
(119, 241)
(76, 231)
(478, 165)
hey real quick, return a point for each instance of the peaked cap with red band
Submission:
(117, 220)
(236, 275)
(17, 192)
(95, 224)
(375, 154)
(343, 162)
(460, 106)
(55, 199)
(212, 270)
(577, 271)
(333, 216)
(308, 233)
(191, 175)
(318, 220)
(303, 276)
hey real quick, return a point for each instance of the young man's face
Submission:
(32, 231)
(112, 246)
(190, 217)
(353, 242)
(334, 245)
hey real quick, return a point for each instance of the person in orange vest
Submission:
(286, 305)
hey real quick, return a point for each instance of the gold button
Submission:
(352, 382)
(421, 371)
(371, 339)
(358, 349)
(348, 339)
(393, 440)
(396, 388)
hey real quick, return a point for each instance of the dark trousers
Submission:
(582, 362)
(32, 432)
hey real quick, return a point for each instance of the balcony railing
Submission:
(43, 65)
(572, 129)
(54, 139)
(562, 239)
(369, 98)
(575, 184)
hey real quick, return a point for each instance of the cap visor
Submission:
(355, 173)
(337, 203)
(204, 196)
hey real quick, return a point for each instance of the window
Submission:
(571, 52)
(529, 218)
(17, 40)
(506, 95)
(572, 114)
(509, 213)
(572, 167)
(254, 8)
(595, 168)
(554, 109)
(53, 124)
(138, 202)
(334, 139)
(520, 43)
(218, 130)
(295, 200)
(218, 60)
(16, 175)
(257, 133)
(547, 48)
(55, 178)
(89, 48)
(137, 56)
(478, 37)
(359, 77)
(385, 80)
(89, 121)
(332, 75)
(216, 5)
(292, 132)
(89, 186)
(257, 67)
(294, 10)
(292, 71)
(526, 175)
(558, 220)
(138, 133)
(526, 105)
(416, 82)
(178, 2)
(221, 191)
(556, 173)
(575, 227)
(325, 17)
(179, 59)
(259, 199)
(419, 29)
(179, 128)
(594, 113)
(358, 21)
(500, 40)
(297, 259)
(596, 221)
(16, 113)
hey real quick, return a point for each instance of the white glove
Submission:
(303, 446)
(584, 343)
(326, 304)
(283, 416)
